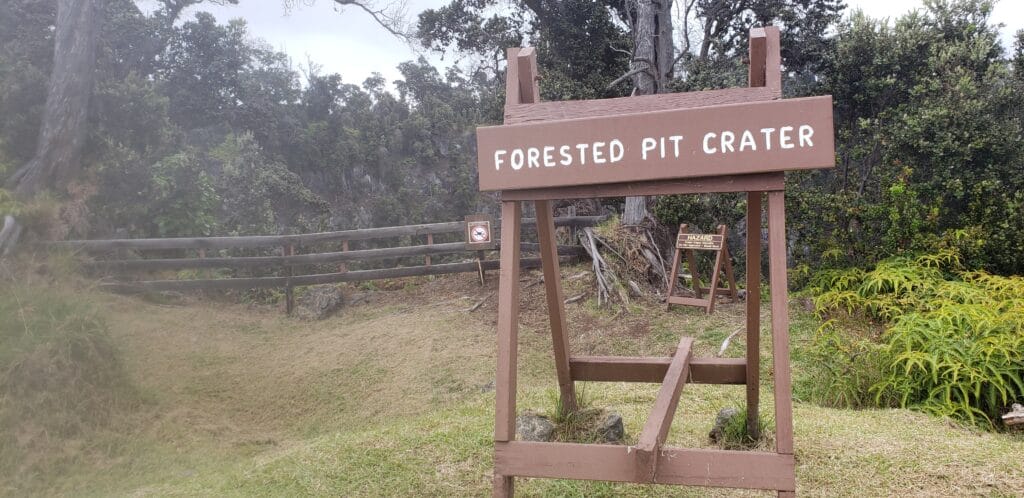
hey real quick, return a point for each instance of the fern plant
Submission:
(953, 343)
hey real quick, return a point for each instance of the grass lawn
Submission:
(394, 397)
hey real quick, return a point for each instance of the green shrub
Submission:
(842, 364)
(953, 340)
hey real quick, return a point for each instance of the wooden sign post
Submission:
(686, 243)
(736, 140)
(479, 237)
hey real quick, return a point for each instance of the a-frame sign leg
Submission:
(753, 313)
(780, 323)
(525, 74)
(508, 335)
(730, 277)
(674, 275)
(556, 304)
(715, 272)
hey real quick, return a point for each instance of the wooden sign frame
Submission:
(722, 262)
(650, 460)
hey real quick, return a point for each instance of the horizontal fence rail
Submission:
(301, 259)
(288, 261)
(301, 280)
(306, 239)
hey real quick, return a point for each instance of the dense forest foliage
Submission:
(194, 128)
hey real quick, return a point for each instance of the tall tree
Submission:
(63, 126)
(651, 69)
(62, 132)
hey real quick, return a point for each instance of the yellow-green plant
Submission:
(953, 343)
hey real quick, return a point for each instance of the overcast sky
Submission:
(349, 42)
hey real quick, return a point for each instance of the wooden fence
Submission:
(289, 261)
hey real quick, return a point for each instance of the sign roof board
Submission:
(731, 139)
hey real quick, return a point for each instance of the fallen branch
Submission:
(606, 279)
(725, 343)
(661, 267)
(9, 235)
(478, 304)
(575, 298)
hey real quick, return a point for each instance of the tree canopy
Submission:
(195, 128)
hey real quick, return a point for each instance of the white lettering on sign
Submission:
(733, 139)
(613, 151)
(724, 142)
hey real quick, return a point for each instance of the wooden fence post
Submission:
(289, 295)
(343, 267)
(430, 242)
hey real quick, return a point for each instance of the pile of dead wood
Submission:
(625, 260)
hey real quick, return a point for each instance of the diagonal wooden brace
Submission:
(658, 423)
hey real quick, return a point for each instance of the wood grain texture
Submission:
(301, 280)
(673, 275)
(299, 240)
(753, 311)
(723, 468)
(556, 305)
(508, 324)
(780, 323)
(529, 86)
(757, 52)
(773, 60)
(687, 301)
(716, 270)
(712, 468)
(660, 420)
(712, 184)
(512, 92)
(572, 109)
(653, 369)
(156, 264)
(697, 153)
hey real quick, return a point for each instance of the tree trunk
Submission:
(635, 211)
(62, 133)
(653, 55)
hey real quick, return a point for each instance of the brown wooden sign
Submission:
(686, 243)
(699, 241)
(730, 139)
(733, 140)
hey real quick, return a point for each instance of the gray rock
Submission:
(533, 427)
(723, 418)
(359, 298)
(611, 428)
(319, 302)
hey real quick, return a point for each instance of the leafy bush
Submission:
(953, 343)
(171, 197)
(842, 365)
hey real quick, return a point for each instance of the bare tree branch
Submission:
(391, 17)
(628, 75)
